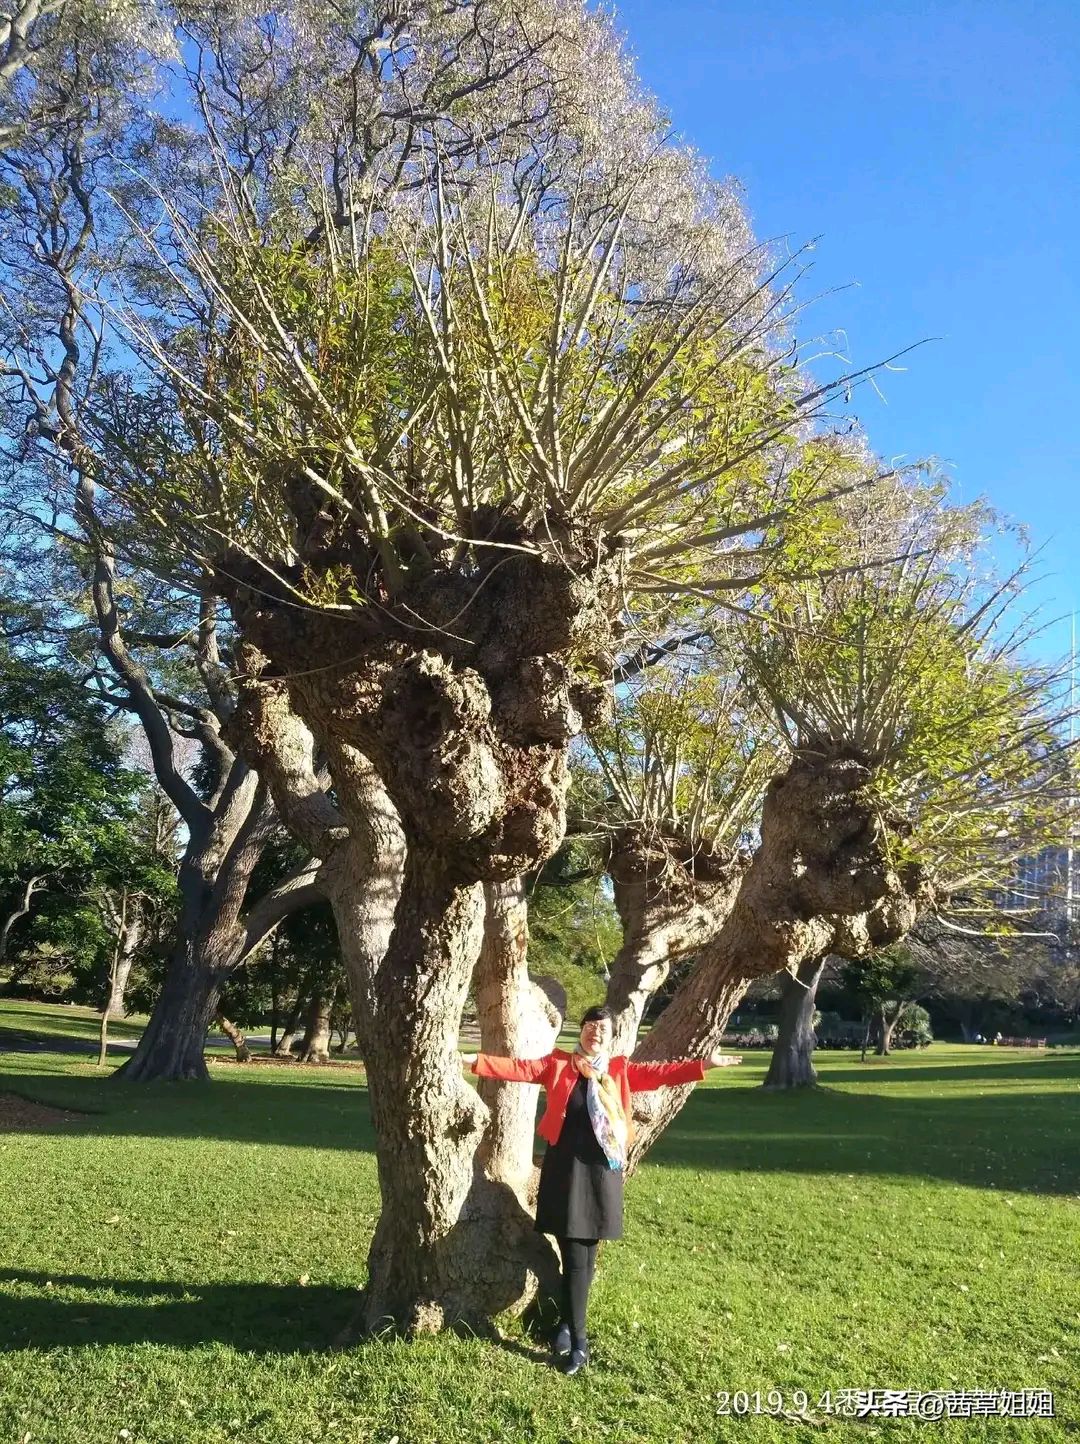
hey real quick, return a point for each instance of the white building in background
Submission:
(1048, 881)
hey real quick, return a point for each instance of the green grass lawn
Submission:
(59, 1020)
(176, 1264)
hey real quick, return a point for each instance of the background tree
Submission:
(925, 754)
(79, 118)
(883, 987)
(66, 799)
(791, 1064)
(1017, 966)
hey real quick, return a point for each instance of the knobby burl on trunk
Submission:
(672, 895)
(464, 685)
(824, 879)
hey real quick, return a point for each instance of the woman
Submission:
(588, 1128)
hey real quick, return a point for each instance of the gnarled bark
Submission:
(792, 1062)
(672, 897)
(428, 1121)
(464, 691)
(821, 881)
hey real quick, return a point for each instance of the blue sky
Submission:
(935, 149)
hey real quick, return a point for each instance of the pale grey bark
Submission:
(792, 1062)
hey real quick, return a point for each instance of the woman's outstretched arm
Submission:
(510, 1070)
(643, 1076)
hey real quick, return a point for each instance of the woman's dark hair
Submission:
(597, 1014)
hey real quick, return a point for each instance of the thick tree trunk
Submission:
(422, 1272)
(208, 945)
(692, 1025)
(464, 690)
(173, 1041)
(316, 1045)
(821, 881)
(235, 1037)
(216, 931)
(792, 1063)
(288, 1040)
(519, 1018)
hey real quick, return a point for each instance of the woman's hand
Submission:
(469, 1059)
(721, 1060)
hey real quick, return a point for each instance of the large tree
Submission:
(445, 407)
(925, 754)
(461, 387)
(75, 112)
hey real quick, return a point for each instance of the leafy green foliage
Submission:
(75, 817)
(574, 933)
(887, 976)
(915, 669)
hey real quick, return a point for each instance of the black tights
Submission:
(579, 1265)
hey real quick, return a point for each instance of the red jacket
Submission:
(558, 1075)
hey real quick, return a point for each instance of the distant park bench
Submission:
(1020, 1042)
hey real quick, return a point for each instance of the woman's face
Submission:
(596, 1035)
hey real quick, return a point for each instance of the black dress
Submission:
(579, 1196)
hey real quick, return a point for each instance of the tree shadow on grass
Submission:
(78, 1311)
(302, 1114)
(1027, 1139)
(1023, 1141)
(82, 1311)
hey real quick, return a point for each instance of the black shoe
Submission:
(560, 1345)
(577, 1360)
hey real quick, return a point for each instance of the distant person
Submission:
(588, 1127)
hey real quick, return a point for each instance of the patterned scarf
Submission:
(613, 1129)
